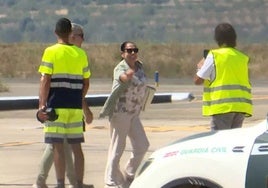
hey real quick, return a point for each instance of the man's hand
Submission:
(41, 115)
(88, 115)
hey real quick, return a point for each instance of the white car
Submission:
(234, 158)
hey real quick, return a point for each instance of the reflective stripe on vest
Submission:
(66, 81)
(46, 64)
(57, 135)
(65, 91)
(61, 128)
(231, 90)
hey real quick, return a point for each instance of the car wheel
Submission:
(189, 186)
(191, 182)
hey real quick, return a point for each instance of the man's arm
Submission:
(198, 80)
(43, 95)
(85, 87)
(88, 115)
(44, 90)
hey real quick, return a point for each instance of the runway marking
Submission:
(16, 144)
(146, 128)
(176, 128)
(163, 128)
(19, 185)
(16, 185)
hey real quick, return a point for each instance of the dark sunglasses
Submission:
(131, 50)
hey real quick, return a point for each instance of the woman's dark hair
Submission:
(225, 35)
(123, 45)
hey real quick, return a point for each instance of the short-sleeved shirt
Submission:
(131, 100)
(207, 71)
(126, 97)
(61, 58)
(68, 66)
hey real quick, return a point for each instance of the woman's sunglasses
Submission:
(131, 50)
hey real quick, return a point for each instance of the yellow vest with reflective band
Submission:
(68, 66)
(230, 91)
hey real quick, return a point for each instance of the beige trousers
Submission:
(121, 126)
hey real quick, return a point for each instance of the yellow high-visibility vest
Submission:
(230, 91)
(68, 66)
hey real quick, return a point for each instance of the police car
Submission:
(236, 158)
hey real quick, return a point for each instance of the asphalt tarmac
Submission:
(21, 139)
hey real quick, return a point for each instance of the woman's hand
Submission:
(126, 76)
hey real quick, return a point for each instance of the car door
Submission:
(257, 170)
